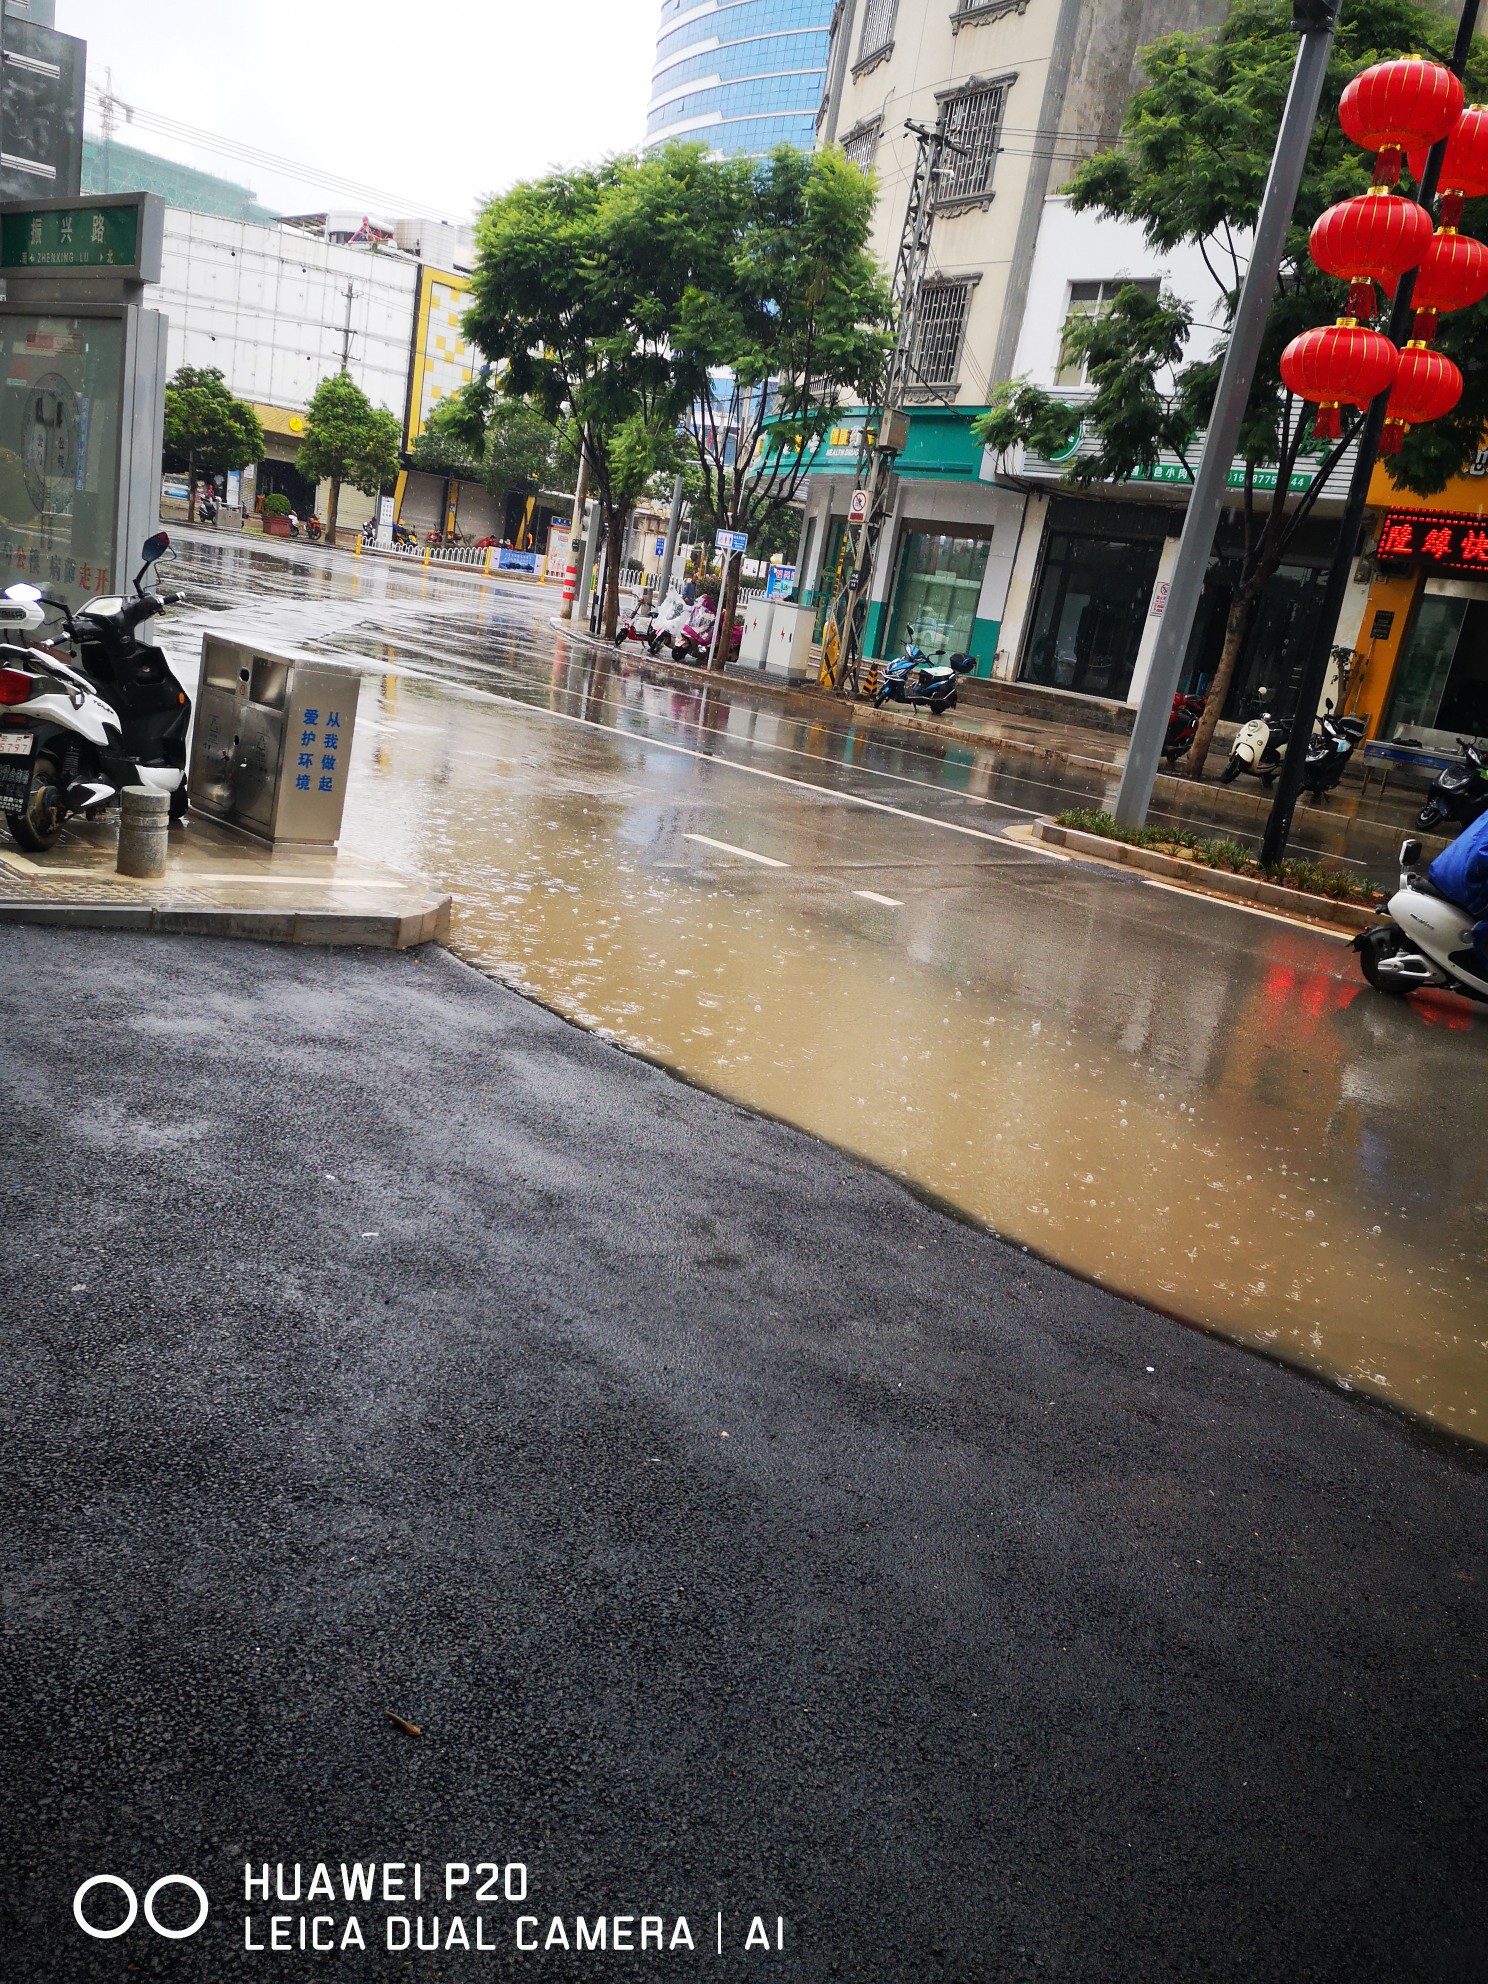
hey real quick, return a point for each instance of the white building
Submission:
(276, 309)
(1052, 590)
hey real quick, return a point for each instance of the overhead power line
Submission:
(111, 106)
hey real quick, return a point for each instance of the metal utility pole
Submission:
(1315, 673)
(668, 557)
(347, 333)
(876, 458)
(1315, 21)
(576, 534)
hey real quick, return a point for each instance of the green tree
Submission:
(453, 440)
(347, 439)
(1190, 169)
(207, 423)
(578, 317)
(786, 315)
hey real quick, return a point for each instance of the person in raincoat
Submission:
(1460, 873)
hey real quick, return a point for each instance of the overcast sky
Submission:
(441, 101)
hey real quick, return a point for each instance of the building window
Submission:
(1088, 299)
(975, 126)
(878, 28)
(861, 146)
(942, 327)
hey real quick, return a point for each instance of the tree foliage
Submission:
(347, 439)
(620, 296)
(1190, 169)
(207, 423)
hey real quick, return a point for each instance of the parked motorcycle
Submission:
(1460, 794)
(314, 529)
(1329, 750)
(638, 623)
(1259, 746)
(1427, 942)
(666, 628)
(72, 734)
(1183, 723)
(921, 681)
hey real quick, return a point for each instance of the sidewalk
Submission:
(1081, 761)
(220, 884)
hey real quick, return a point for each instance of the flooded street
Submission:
(1197, 1105)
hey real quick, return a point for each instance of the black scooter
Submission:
(1461, 792)
(1329, 750)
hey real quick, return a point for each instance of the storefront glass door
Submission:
(1441, 686)
(1093, 596)
(940, 582)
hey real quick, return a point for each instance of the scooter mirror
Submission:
(1328, 703)
(1410, 853)
(32, 593)
(155, 548)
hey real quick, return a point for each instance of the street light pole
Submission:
(1315, 674)
(1315, 20)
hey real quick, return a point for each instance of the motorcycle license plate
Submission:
(15, 743)
(15, 773)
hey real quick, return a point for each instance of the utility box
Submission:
(792, 635)
(271, 742)
(754, 647)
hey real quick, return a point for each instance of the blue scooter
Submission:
(921, 681)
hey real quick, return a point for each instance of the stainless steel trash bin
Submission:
(271, 742)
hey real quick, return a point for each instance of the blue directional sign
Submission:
(732, 540)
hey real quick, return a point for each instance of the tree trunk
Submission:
(728, 607)
(614, 540)
(191, 487)
(1236, 623)
(333, 504)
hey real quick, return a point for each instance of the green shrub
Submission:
(277, 505)
(1308, 876)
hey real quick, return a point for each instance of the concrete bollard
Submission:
(144, 817)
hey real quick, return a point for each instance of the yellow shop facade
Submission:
(1422, 645)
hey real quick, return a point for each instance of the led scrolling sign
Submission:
(1443, 543)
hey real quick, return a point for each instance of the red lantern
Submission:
(1453, 276)
(1376, 237)
(1464, 173)
(1396, 104)
(1337, 364)
(1427, 385)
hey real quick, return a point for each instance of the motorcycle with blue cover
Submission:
(922, 681)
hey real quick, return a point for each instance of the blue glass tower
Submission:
(739, 75)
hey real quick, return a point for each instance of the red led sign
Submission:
(1443, 543)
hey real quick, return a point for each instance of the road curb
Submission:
(429, 923)
(1217, 884)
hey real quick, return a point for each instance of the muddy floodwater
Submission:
(1203, 1108)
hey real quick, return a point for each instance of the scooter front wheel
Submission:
(1230, 773)
(1428, 816)
(36, 829)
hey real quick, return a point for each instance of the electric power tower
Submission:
(886, 427)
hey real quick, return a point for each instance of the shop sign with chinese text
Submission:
(1440, 542)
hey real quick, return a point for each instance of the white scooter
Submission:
(1428, 940)
(1260, 745)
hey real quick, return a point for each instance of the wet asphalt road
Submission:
(1202, 1107)
(743, 1535)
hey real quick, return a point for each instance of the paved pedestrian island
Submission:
(221, 883)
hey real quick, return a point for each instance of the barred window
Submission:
(939, 335)
(975, 124)
(878, 27)
(1089, 299)
(861, 147)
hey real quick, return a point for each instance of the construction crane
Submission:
(886, 428)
